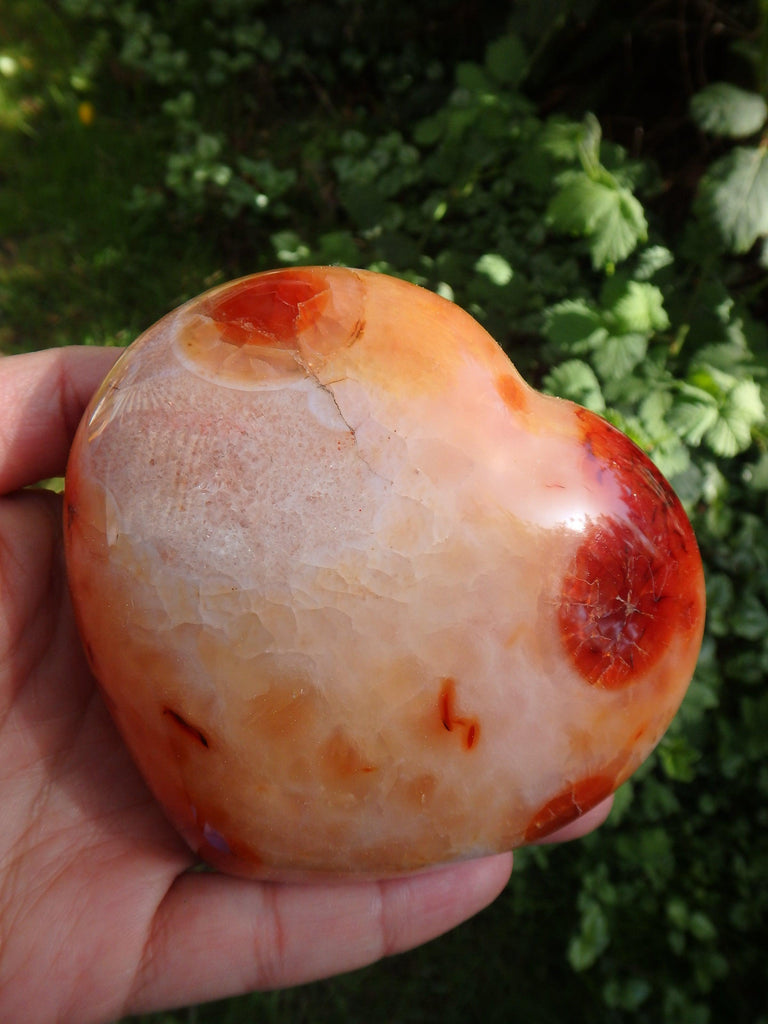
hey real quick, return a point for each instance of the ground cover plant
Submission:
(590, 180)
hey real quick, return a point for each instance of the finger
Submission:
(215, 936)
(42, 397)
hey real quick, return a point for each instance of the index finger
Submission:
(42, 398)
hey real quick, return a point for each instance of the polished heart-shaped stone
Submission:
(359, 599)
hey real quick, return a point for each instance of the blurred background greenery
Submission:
(590, 180)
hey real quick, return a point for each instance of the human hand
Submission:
(100, 915)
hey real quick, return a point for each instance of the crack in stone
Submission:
(328, 389)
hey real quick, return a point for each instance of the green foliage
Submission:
(596, 204)
(245, 134)
(724, 109)
(733, 192)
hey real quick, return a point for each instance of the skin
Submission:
(96, 893)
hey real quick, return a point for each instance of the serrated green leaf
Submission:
(654, 410)
(746, 401)
(727, 438)
(572, 322)
(692, 419)
(705, 377)
(618, 230)
(723, 109)
(574, 379)
(617, 355)
(651, 260)
(640, 309)
(734, 194)
(604, 212)
(740, 411)
(674, 460)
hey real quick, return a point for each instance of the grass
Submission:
(77, 266)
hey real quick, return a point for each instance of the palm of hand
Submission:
(84, 850)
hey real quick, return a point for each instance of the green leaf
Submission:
(506, 60)
(289, 247)
(720, 600)
(741, 410)
(603, 211)
(473, 78)
(654, 410)
(617, 355)
(677, 913)
(589, 146)
(629, 994)
(572, 322)
(674, 460)
(734, 195)
(750, 618)
(694, 417)
(701, 927)
(718, 408)
(651, 260)
(640, 309)
(678, 758)
(745, 400)
(592, 939)
(561, 138)
(724, 109)
(495, 268)
(576, 380)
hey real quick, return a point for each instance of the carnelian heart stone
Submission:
(359, 599)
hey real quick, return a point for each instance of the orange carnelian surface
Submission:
(359, 599)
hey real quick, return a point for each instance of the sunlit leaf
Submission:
(604, 212)
(723, 109)
(651, 260)
(693, 418)
(618, 355)
(741, 411)
(640, 308)
(734, 194)
(561, 138)
(576, 380)
(573, 321)
(495, 268)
